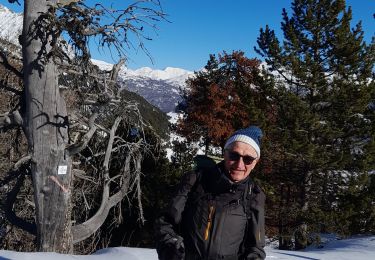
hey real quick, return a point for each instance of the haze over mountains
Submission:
(159, 87)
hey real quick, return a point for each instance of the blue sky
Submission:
(198, 28)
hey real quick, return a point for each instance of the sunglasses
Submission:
(247, 159)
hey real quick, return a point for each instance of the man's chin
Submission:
(236, 175)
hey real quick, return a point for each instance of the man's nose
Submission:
(240, 163)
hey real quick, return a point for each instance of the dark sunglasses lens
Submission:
(248, 159)
(233, 156)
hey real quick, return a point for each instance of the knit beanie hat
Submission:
(250, 135)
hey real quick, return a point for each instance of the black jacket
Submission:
(218, 219)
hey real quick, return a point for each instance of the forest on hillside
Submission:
(312, 93)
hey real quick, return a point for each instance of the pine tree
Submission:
(323, 94)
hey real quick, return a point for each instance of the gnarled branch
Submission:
(11, 119)
(11, 215)
(78, 147)
(21, 162)
(7, 65)
(86, 229)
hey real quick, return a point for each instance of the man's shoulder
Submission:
(258, 193)
(258, 189)
(205, 162)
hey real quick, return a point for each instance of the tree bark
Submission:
(300, 234)
(46, 128)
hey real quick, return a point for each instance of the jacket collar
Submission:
(223, 184)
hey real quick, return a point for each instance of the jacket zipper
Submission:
(209, 222)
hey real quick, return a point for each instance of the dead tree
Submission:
(57, 137)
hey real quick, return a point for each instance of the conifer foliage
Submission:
(324, 118)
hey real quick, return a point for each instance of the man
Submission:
(217, 212)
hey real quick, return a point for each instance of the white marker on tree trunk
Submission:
(62, 169)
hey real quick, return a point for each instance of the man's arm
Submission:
(169, 242)
(255, 237)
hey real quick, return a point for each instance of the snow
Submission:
(346, 249)
(160, 88)
(114, 253)
(173, 118)
(170, 74)
(10, 25)
(102, 64)
(358, 248)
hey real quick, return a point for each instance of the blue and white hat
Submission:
(250, 135)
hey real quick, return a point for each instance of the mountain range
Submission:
(161, 88)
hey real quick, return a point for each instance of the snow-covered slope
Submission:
(359, 248)
(10, 25)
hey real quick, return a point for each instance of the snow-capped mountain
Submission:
(159, 87)
(10, 25)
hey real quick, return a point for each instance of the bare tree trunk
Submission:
(285, 238)
(300, 234)
(46, 127)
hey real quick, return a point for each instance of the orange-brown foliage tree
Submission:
(219, 99)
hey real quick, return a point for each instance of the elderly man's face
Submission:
(240, 160)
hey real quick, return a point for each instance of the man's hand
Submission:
(173, 248)
(178, 244)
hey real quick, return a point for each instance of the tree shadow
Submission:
(299, 256)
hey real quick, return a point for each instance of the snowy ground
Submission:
(359, 248)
